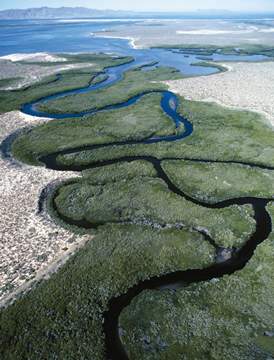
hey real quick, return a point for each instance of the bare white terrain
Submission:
(249, 86)
(33, 57)
(31, 244)
(151, 33)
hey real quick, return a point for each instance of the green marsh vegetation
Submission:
(148, 200)
(14, 99)
(71, 79)
(133, 83)
(211, 64)
(130, 123)
(123, 171)
(219, 134)
(208, 50)
(213, 182)
(143, 229)
(8, 82)
(228, 318)
(63, 317)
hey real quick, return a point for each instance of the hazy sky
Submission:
(163, 5)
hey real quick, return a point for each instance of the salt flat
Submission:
(149, 33)
(31, 243)
(249, 86)
(32, 57)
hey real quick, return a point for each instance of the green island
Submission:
(208, 50)
(193, 216)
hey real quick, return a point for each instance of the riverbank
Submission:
(27, 73)
(32, 243)
(246, 86)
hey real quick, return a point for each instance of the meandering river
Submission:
(169, 104)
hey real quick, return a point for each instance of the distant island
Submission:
(82, 12)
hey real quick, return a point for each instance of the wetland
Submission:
(178, 197)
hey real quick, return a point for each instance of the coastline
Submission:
(131, 40)
(28, 57)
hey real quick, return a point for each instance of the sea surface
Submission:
(58, 36)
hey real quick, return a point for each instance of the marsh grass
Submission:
(71, 79)
(142, 120)
(234, 314)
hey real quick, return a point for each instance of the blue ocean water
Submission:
(30, 36)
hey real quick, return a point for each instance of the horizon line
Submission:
(145, 11)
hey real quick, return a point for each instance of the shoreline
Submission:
(29, 57)
(131, 40)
